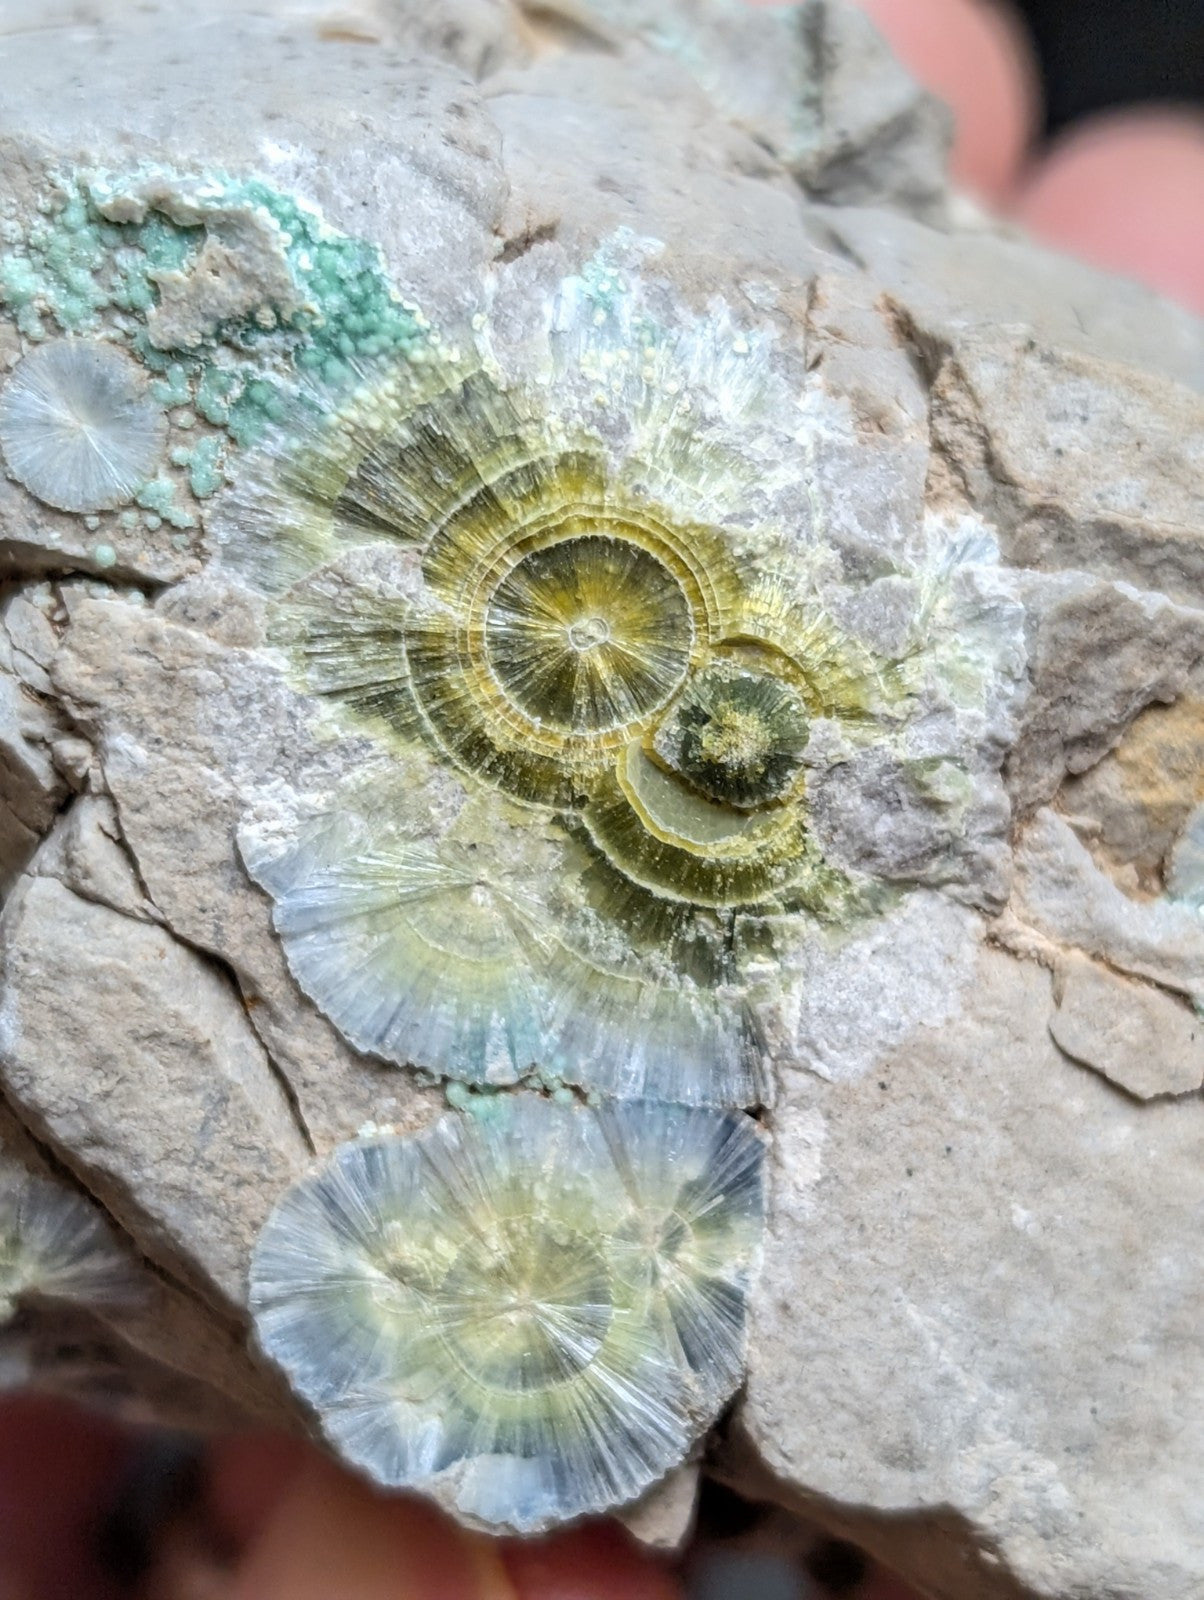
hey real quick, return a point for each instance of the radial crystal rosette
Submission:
(570, 605)
(649, 723)
(78, 427)
(54, 1245)
(532, 1316)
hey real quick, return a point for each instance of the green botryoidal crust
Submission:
(109, 262)
(106, 241)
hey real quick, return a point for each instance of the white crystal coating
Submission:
(530, 1316)
(78, 427)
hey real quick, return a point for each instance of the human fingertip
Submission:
(332, 1537)
(245, 1477)
(597, 1561)
(883, 1585)
(58, 1466)
(977, 56)
(1123, 191)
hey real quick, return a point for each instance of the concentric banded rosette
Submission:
(530, 1317)
(576, 593)
(548, 600)
(489, 954)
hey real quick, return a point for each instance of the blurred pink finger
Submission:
(331, 1537)
(977, 57)
(1126, 191)
(60, 1468)
(246, 1477)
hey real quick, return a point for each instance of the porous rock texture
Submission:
(977, 1340)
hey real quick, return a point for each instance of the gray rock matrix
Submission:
(977, 1341)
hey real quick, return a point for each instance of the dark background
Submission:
(1097, 54)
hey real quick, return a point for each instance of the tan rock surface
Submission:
(1138, 1037)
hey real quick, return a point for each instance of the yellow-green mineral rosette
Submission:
(530, 1317)
(572, 586)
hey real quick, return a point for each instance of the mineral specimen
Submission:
(616, 600)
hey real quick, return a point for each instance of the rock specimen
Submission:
(551, 558)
